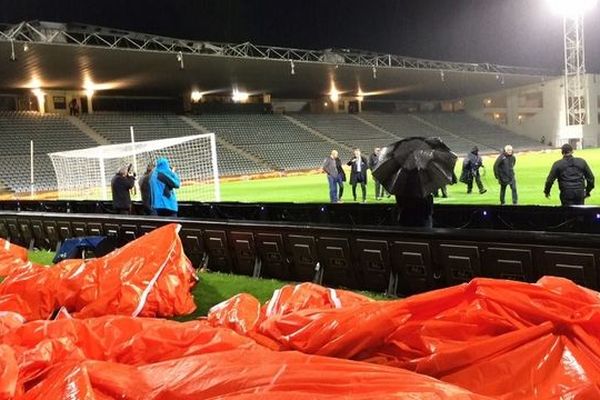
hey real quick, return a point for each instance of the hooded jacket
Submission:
(162, 182)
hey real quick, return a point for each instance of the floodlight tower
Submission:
(576, 101)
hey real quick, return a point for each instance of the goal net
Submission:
(85, 174)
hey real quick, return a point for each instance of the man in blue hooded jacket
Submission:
(162, 184)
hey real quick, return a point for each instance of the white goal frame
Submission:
(91, 166)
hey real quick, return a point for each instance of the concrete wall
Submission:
(548, 120)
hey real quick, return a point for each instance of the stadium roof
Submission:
(70, 56)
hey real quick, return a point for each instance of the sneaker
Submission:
(483, 191)
(445, 196)
(468, 192)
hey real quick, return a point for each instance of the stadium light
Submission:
(571, 8)
(25, 47)
(360, 96)
(239, 97)
(196, 96)
(292, 68)
(334, 94)
(40, 96)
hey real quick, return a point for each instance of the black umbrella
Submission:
(415, 167)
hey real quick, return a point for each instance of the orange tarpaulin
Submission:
(150, 276)
(489, 339)
(508, 340)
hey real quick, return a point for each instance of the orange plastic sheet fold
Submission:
(150, 276)
(489, 339)
(121, 357)
(503, 339)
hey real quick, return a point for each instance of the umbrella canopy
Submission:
(415, 167)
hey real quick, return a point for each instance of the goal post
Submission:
(85, 174)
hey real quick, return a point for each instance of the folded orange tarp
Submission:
(150, 276)
(11, 257)
(505, 339)
(119, 357)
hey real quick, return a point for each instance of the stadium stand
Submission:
(275, 139)
(491, 135)
(348, 130)
(114, 126)
(269, 137)
(411, 125)
(49, 132)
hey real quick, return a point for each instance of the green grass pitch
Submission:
(531, 172)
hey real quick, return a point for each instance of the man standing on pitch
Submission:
(358, 174)
(575, 178)
(470, 172)
(373, 162)
(504, 171)
(330, 168)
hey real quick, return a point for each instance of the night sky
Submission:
(512, 32)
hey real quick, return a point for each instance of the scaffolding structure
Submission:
(575, 83)
(33, 32)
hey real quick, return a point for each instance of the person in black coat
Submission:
(341, 178)
(575, 178)
(504, 171)
(121, 184)
(373, 162)
(358, 174)
(146, 191)
(470, 171)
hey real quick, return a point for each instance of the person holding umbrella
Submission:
(412, 169)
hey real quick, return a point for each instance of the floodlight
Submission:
(292, 68)
(25, 47)
(37, 92)
(239, 97)
(334, 95)
(571, 8)
(196, 96)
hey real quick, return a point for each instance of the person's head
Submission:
(150, 167)
(475, 150)
(377, 150)
(508, 150)
(356, 152)
(334, 154)
(123, 171)
(162, 164)
(566, 149)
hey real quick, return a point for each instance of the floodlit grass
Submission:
(531, 172)
(214, 287)
(41, 257)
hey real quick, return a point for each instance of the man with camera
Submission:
(121, 185)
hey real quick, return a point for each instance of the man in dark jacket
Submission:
(575, 178)
(341, 177)
(373, 162)
(504, 171)
(146, 192)
(470, 171)
(358, 174)
(121, 184)
(330, 168)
